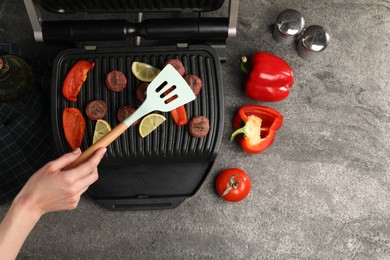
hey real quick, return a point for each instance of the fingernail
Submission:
(76, 151)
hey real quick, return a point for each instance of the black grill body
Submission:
(169, 165)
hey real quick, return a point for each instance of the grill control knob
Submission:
(313, 42)
(288, 26)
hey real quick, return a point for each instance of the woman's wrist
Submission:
(20, 219)
(25, 205)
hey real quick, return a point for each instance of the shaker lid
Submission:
(315, 38)
(290, 23)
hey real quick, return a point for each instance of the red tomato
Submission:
(233, 184)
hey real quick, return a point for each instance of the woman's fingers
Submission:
(88, 166)
(83, 190)
(71, 202)
(85, 174)
(65, 160)
(85, 182)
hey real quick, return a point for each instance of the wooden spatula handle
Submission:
(103, 142)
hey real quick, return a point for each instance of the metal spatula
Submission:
(166, 92)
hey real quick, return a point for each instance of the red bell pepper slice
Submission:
(261, 123)
(73, 123)
(75, 79)
(270, 78)
(179, 115)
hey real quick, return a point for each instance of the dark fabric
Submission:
(26, 139)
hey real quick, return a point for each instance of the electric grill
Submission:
(166, 167)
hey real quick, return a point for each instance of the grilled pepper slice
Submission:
(73, 123)
(270, 78)
(258, 133)
(75, 79)
(179, 115)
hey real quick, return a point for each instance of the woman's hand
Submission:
(49, 189)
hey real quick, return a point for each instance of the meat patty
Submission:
(177, 64)
(199, 126)
(141, 91)
(116, 80)
(96, 109)
(124, 112)
(194, 82)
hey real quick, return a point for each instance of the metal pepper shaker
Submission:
(314, 40)
(288, 26)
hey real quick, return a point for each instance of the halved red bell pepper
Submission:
(270, 78)
(73, 123)
(75, 79)
(258, 133)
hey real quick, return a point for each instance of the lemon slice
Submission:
(143, 71)
(102, 127)
(149, 123)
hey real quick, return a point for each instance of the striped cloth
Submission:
(26, 138)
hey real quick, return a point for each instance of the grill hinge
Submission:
(182, 45)
(35, 17)
(90, 48)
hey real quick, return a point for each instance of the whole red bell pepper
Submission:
(75, 79)
(258, 133)
(270, 78)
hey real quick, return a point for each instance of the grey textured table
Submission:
(320, 192)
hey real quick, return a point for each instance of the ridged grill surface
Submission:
(168, 143)
(130, 5)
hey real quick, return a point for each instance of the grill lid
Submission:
(97, 6)
(205, 28)
(151, 29)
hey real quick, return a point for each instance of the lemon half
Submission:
(102, 127)
(143, 71)
(149, 123)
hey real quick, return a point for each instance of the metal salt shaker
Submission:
(288, 26)
(313, 42)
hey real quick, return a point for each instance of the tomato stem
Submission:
(233, 185)
(227, 191)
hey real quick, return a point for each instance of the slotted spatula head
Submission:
(168, 90)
